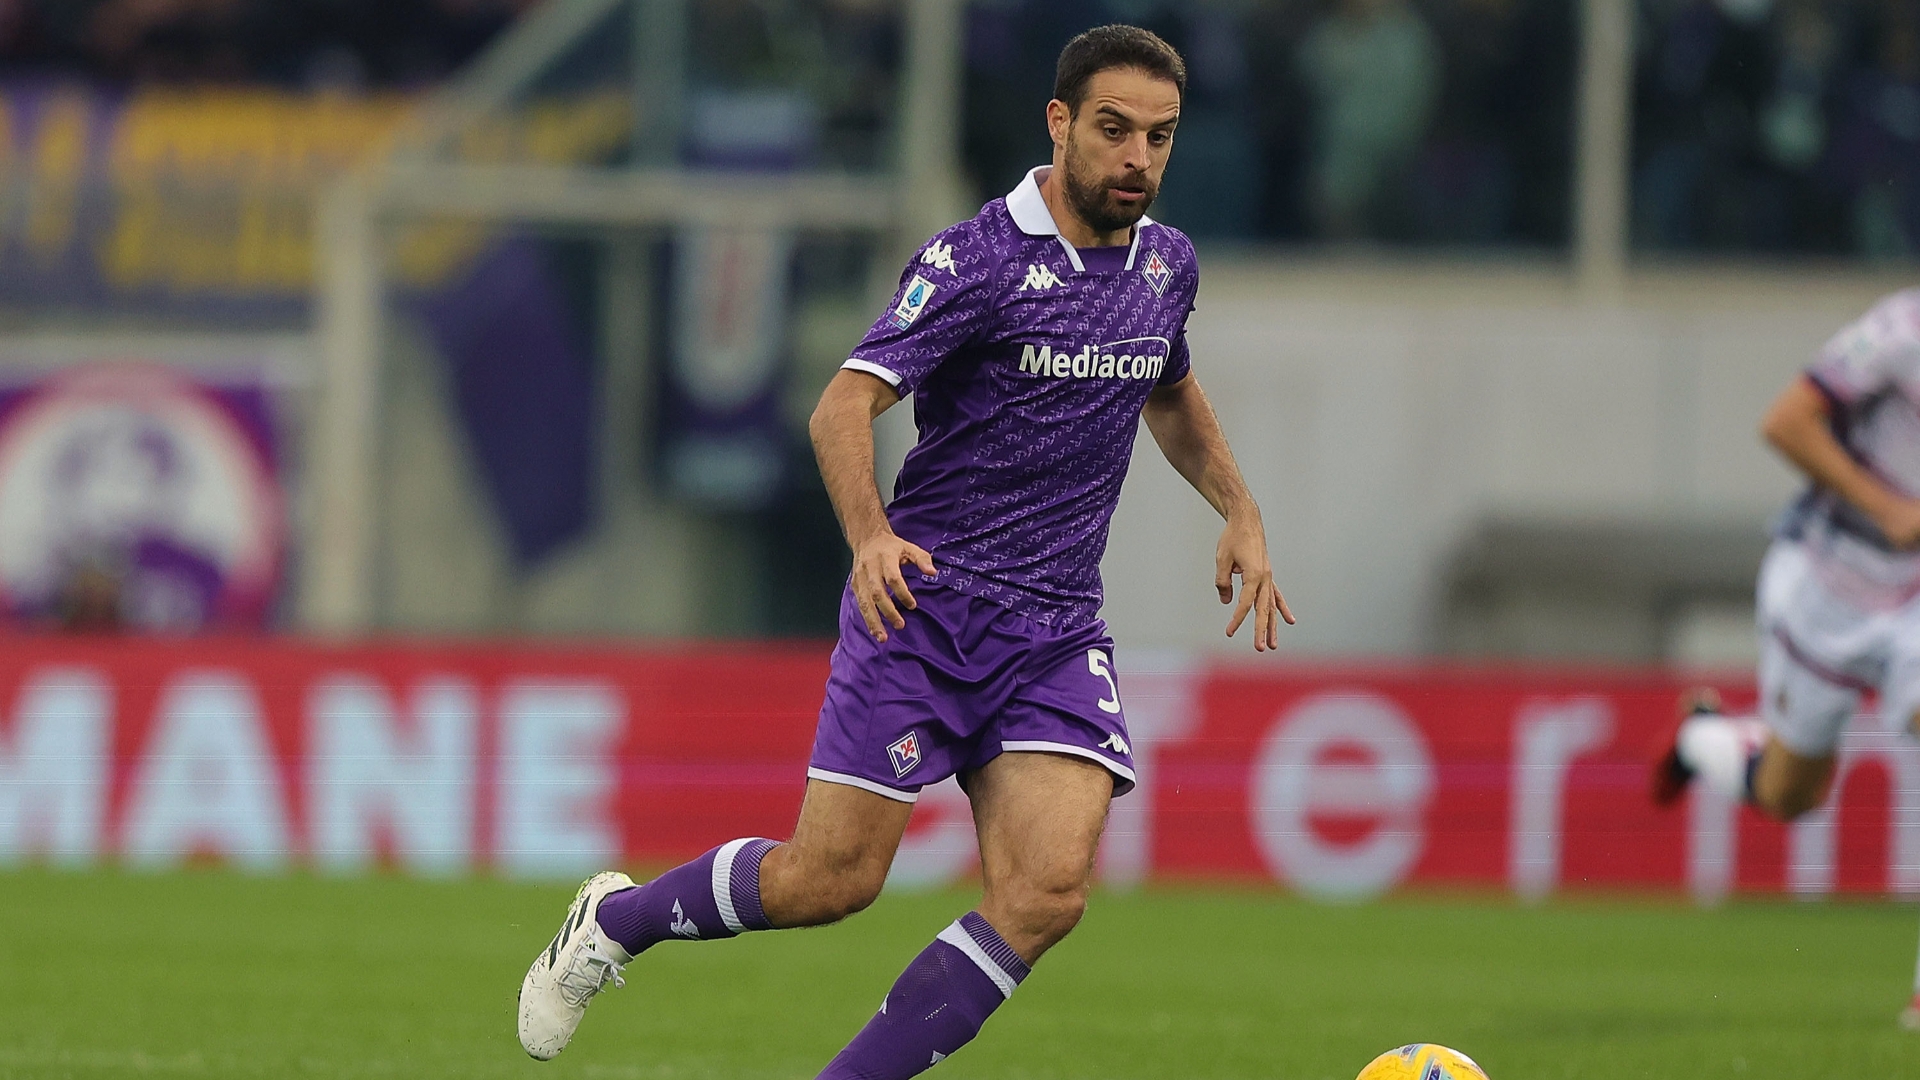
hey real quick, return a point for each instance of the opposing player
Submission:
(1839, 592)
(1034, 337)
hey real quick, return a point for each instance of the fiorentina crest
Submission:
(1157, 273)
(905, 753)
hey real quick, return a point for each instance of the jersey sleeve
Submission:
(1179, 357)
(945, 300)
(1874, 354)
(1179, 362)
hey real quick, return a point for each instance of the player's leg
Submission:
(857, 802)
(1900, 711)
(1709, 746)
(1806, 704)
(1782, 761)
(834, 866)
(1039, 818)
(1786, 783)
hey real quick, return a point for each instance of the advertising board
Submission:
(1341, 784)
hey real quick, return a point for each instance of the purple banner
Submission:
(133, 496)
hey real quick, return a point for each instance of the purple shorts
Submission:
(964, 682)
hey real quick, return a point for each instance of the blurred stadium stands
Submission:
(1476, 270)
(297, 44)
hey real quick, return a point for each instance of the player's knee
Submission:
(849, 887)
(1790, 803)
(1786, 787)
(829, 886)
(1066, 910)
(1051, 914)
(1791, 798)
(857, 890)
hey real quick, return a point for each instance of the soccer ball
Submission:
(1422, 1061)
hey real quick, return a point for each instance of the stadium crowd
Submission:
(1392, 120)
(1779, 126)
(1760, 126)
(299, 43)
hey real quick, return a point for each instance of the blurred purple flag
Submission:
(524, 387)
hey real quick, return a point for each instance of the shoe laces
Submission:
(588, 972)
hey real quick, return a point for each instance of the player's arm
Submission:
(842, 431)
(1799, 425)
(1183, 423)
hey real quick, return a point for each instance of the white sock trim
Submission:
(957, 936)
(723, 883)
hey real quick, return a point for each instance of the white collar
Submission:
(1029, 211)
(1028, 208)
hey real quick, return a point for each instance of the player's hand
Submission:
(1900, 523)
(878, 586)
(1243, 553)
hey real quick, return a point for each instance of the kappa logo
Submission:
(913, 301)
(1040, 277)
(682, 925)
(1157, 273)
(1116, 744)
(905, 754)
(939, 256)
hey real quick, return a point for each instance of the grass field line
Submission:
(223, 975)
(129, 1061)
(25, 1063)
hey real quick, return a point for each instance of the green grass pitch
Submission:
(211, 974)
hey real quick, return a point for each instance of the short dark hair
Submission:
(1104, 48)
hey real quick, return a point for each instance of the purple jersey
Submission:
(1029, 369)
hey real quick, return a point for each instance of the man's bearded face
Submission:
(1090, 190)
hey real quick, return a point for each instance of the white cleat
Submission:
(566, 975)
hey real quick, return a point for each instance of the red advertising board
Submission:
(1344, 782)
(522, 760)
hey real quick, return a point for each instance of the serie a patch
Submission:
(913, 301)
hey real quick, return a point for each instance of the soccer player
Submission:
(1034, 337)
(1839, 591)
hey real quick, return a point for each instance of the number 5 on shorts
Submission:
(1097, 663)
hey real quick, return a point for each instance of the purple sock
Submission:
(715, 896)
(936, 1006)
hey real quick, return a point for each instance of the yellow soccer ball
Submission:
(1422, 1061)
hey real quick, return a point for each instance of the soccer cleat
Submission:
(1910, 1016)
(1671, 775)
(578, 964)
